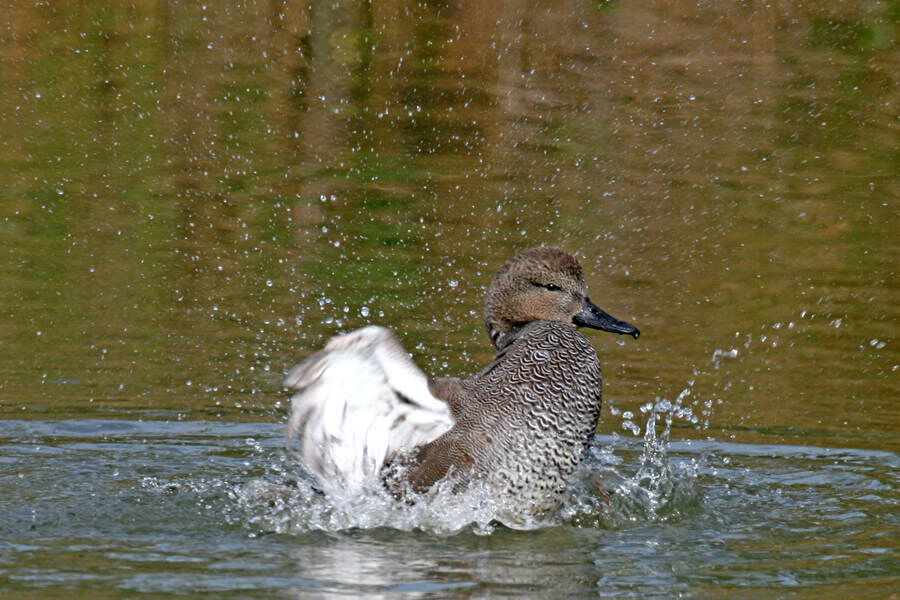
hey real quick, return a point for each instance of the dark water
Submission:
(193, 197)
(134, 507)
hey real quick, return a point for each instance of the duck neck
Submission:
(502, 338)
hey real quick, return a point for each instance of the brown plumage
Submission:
(521, 425)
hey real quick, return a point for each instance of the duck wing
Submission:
(358, 402)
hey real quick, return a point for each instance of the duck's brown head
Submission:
(543, 284)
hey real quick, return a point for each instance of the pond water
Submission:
(195, 196)
(135, 508)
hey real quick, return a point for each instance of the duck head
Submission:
(543, 284)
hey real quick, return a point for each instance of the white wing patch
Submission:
(357, 402)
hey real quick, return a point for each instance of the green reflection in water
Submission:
(194, 199)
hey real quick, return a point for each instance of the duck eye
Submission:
(550, 286)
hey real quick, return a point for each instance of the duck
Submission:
(362, 411)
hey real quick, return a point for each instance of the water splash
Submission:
(623, 482)
(280, 505)
(609, 495)
(620, 484)
(285, 500)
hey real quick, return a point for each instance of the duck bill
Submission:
(595, 317)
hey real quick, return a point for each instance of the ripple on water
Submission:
(138, 504)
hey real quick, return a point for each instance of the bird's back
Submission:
(523, 423)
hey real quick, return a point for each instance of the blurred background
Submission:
(195, 196)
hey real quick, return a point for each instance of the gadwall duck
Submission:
(521, 426)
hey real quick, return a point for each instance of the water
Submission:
(151, 507)
(196, 196)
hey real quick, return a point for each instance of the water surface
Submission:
(194, 197)
(146, 507)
